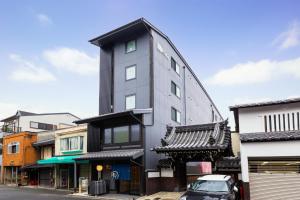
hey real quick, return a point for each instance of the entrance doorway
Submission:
(64, 178)
(135, 180)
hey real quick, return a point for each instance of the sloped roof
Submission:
(265, 103)
(214, 136)
(270, 136)
(112, 154)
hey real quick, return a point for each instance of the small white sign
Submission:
(153, 174)
(166, 172)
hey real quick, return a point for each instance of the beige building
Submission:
(70, 143)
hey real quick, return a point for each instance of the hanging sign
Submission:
(99, 168)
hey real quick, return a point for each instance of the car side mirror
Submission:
(235, 189)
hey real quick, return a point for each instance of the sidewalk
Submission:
(163, 196)
(106, 196)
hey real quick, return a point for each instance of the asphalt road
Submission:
(14, 193)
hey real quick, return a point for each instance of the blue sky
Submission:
(242, 51)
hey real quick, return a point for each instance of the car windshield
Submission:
(209, 186)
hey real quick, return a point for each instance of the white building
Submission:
(33, 122)
(270, 148)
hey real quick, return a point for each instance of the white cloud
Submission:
(256, 72)
(44, 19)
(72, 60)
(289, 38)
(28, 71)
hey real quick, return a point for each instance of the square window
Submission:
(107, 136)
(130, 46)
(34, 125)
(121, 134)
(130, 102)
(130, 72)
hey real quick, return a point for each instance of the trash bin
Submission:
(97, 187)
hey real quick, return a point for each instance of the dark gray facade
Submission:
(152, 85)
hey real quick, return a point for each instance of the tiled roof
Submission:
(270, 136)
(213, 136)
(266, 103)
(128, 153)
(44, 142)
(165, 163)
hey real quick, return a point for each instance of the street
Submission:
(11, 193)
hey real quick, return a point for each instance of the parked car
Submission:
(211, 187)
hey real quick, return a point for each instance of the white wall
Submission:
(251, 120)
(267, 149)
(54, 119)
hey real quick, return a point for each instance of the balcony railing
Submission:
(10, 129)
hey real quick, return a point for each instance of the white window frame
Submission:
(9, 147)
(127, 74)
(79, 138)
(126, 102)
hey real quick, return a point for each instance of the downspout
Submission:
(184, 95)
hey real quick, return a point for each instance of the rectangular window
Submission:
(283, 120)
(293, 118)
(275, 125)
(279, 122)
(130, 46)
(71, 143)
(266, 123)
(130, 72)
(175, 115)
(270, 122)
(42, 126)
(175, 89)
(289, 123)
(64, 144)
(175, 66)
(298, 120)
(34, 125)
(107, 136)
(130, 102)
(13, 147)
(74, 143)
(121, 134)
(135, 133)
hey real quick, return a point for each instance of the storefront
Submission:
(122, 169)
(64, 171)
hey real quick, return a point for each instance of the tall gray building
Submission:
(145, 85)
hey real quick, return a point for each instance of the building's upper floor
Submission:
(71, 141)
(18, 149)
(33, 122)
(141, 68)
(271, 116)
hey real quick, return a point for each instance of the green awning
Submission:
(58, 160)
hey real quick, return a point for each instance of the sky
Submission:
(242, 51)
